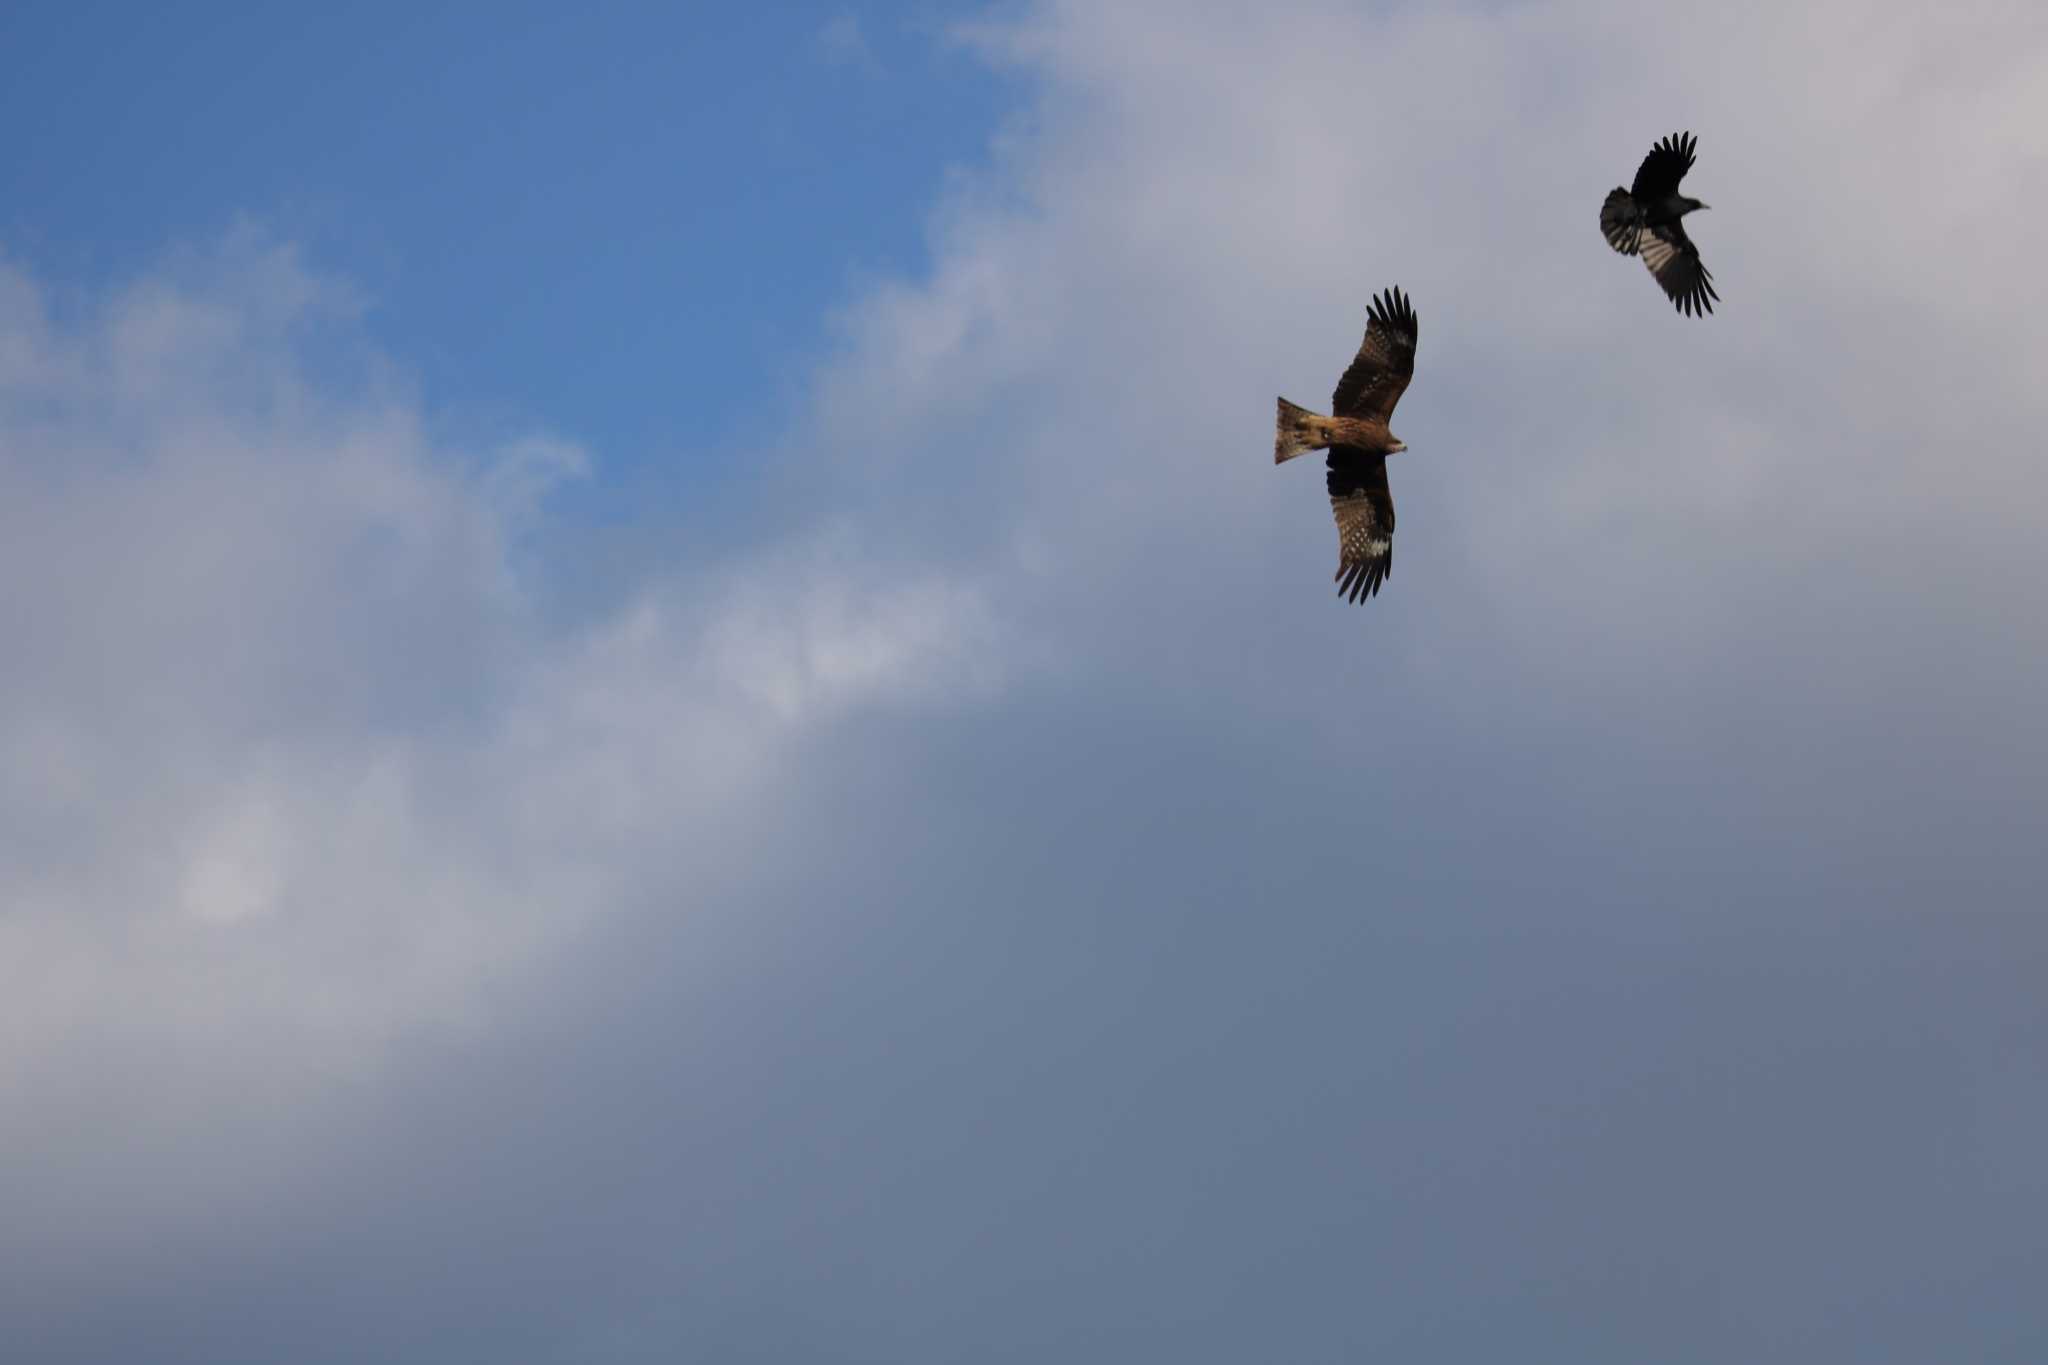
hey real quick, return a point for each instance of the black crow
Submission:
(1646, 218)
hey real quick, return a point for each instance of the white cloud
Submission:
(235, 871)
(1205, 196)
(289, 766)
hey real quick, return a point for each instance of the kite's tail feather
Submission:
(1295, 432)
(1621, 222)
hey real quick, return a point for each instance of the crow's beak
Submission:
(1706, 206)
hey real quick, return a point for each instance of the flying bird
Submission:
(1647, 218)
(1359, 444)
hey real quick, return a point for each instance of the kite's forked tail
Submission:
(1295, 432)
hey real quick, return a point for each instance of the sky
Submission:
(660, 702)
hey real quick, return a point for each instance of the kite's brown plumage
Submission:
(1359, 443)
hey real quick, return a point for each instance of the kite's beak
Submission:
(1398, 447)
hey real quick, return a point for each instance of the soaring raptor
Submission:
(1359, 444)
(1647, 218)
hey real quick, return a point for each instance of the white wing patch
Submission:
(1657, 252)
(1679, 272)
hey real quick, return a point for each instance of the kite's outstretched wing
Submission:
(1380, 372)
(1365, 520)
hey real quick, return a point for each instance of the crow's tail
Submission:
(1621, 222)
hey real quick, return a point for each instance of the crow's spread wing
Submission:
(1657, 178)
(1385, 361)
(1365, 520)
(1675, 262)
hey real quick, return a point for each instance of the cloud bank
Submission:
(293, 767)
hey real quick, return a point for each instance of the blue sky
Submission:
(660, 701)
(626, 221)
